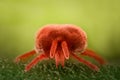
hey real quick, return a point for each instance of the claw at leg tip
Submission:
(26, 69)
(67, 57)
(56, 66)
(16, 60)
(97, 69)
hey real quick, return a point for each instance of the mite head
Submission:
(58, 41)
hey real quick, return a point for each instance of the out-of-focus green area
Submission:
(47, 70)
(20, 19)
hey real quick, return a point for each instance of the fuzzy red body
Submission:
(59, 42)
(73, 35)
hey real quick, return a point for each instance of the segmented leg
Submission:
(24, 56)
(65, 49)
(53, 48)
(35, 61)
(62, 59)
(59, 58)
(89, 64)
(92, 54)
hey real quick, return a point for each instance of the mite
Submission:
(60, 42)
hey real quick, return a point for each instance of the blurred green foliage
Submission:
(47, 71)
(20, 19)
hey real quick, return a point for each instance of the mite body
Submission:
(59, 42)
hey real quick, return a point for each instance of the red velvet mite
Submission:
(60, 42)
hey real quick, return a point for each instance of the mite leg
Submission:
(35, 61)
(89, 64)
(57, 59)
(62, 59)
(92, 54)
(53, 48)
(65, 49)
(24, 56)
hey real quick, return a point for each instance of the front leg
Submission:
(24, 56)
(35, 61)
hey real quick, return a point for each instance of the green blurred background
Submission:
(20, 19)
